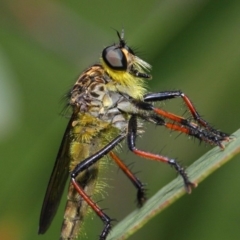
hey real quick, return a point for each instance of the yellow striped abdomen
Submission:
(88, 135)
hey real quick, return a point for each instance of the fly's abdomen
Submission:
(88, 136)
(76, 208)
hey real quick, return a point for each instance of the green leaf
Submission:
(197, 172)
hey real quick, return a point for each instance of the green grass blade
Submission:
(197, 172)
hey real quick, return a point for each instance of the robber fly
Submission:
(109, 104)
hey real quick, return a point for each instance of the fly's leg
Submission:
(131, 138)
(201, 129)
(161, 96)
(85, 165)
(141, 198)
(186, 127)
(105, 218)
(194, 130)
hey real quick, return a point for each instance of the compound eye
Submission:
(114, 58)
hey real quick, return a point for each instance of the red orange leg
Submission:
(141, 198)
(131, 138)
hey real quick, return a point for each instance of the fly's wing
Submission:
(56, 183)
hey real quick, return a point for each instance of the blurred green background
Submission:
(193, 46)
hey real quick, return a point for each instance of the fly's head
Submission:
(120, 61)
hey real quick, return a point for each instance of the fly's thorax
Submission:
(99, 96)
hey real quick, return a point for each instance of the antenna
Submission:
(122, 43)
